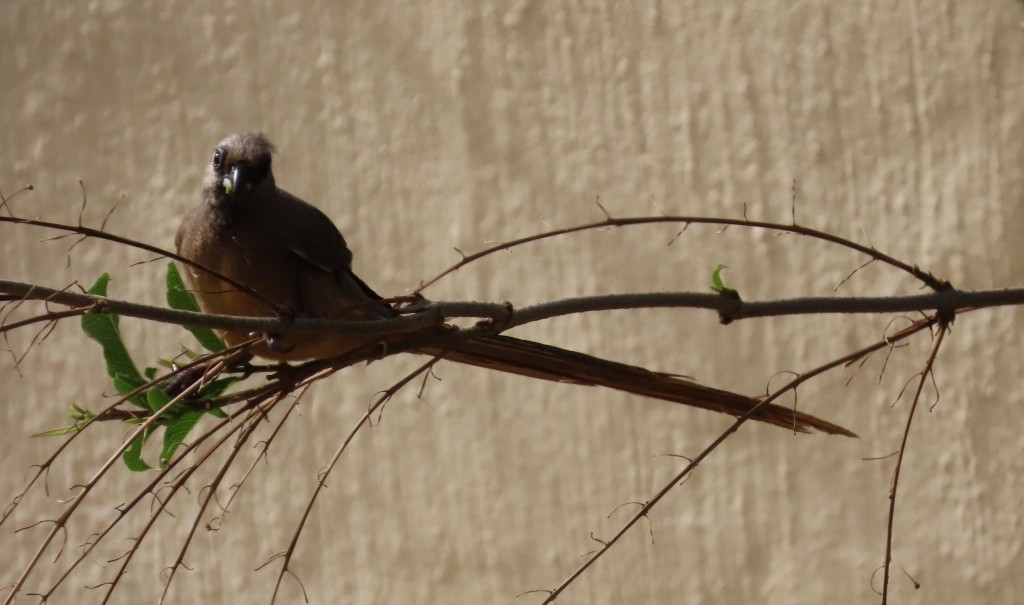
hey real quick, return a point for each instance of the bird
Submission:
(292, 255)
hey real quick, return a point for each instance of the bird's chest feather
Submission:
(241, 246)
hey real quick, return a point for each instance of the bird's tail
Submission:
(536, 360)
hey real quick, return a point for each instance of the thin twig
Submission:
(117, 239)
(85, 489)
(109, 411)
(676, 480)
(151, 488)
(286, 555)
(250, 427)
(925, 277)
(939, 332)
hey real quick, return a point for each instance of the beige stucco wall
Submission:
(420, 127)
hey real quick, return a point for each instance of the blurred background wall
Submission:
(428, 126)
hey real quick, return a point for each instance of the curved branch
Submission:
(927, 278)
(117, 239)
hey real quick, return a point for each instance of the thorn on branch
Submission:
(935, 385)
(681, 231)
(103, 224)
(688, 459)
(535, 591)
(271, 559)
(607, 215)
(851, 274)
(792, 203)
(917, 585)
(121, 556)
(4, 200)
(654, 202)
(874, 458)
(81, 211)
(614, 510)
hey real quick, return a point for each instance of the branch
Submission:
(59, 523)
(929, 365)
(321, 481)
(927, 278)
(678, 479)
(504, 317)
(87, 232)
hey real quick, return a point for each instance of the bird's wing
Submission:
(330, 285)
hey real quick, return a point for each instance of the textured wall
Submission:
(419, 127)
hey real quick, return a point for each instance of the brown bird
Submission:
(249, 230)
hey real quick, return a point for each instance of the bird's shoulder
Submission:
(308, 232)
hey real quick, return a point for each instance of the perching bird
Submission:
(249, 230)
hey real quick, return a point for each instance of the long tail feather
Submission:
(536, 360)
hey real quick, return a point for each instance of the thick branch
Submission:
(504, 317)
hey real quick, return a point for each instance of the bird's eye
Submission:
(218, 157)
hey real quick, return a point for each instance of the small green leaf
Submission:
(104, 329)
(716, 279)
(157, 398)
(719, 286)
(132, 457)
(59, 432)
(178, 297)
(78, 414)
(217, 387)
(175, 433)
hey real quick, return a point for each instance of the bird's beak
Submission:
(239, 181)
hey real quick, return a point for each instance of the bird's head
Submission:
(240, 167)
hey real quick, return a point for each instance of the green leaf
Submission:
(157, 398)
(716, 279)
(132, 457)
(78, 414)
(719, 286)
(217, 387)
(104, 329)
(59, 432)
(179, 298)
(175, 433)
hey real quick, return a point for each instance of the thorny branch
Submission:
(84, 490)
(928, 370)
(259, 401)
(152, 489)
(87, 232)
(683, 474)
(110, 412)
(250, 425)
(321, 482)
(925, 277)
(502, 317)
